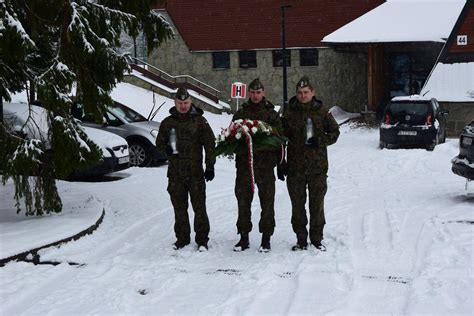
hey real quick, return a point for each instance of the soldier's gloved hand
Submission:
(282, 171)
(312, 142)
(209, 174)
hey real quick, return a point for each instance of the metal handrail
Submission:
(174, 79)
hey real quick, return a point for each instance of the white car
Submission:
(115, 154)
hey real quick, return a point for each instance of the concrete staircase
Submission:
(150, 77)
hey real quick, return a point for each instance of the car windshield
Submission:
(126, 113)
(409, 108)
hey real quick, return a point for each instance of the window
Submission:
(278, 58)
(248, 59)
(221, 60)
(309, 57)
(408, 71)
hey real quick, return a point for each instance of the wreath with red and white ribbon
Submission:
(247, 135)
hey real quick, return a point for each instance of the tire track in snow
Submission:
(118, 246)
(384, 256)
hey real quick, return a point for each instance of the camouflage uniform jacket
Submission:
(302, 159)
(263, 111)
(193, 133)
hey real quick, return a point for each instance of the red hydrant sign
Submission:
(238, 90)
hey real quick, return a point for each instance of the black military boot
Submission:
(265, 246)
(243, 243)
(301, 243)
(203, 247)
(318, 245)
(180, 244)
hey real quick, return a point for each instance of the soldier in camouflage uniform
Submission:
(265, 160)
(185, 171)
(307, 161)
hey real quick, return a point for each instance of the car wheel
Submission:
(139, 154)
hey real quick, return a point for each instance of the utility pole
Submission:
(283, 45)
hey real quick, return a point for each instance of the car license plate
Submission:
(124, 160)
(467, 141)
(407, 133)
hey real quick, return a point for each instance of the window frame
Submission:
(248, 55)
(277, 58)
(315, 59)
(218, 55)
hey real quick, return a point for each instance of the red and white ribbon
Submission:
(248, 138)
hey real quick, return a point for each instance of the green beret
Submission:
(303, 83)
(256, 85)
(182, 94)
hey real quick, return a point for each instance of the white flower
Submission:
(238, 135)
(254, 130)
(226, 133)
(245, 128)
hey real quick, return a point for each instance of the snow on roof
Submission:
(402, 21)
(447, 83)
(451, 83)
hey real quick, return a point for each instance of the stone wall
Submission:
(339, 79)
(460, 114)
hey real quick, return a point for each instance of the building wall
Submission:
(339, 79)
(466, 28)
(460, 114)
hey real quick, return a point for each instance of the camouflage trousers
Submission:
(179, 189)
(265, 182)
(317, 187)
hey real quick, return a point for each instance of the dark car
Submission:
(413, 122)
(139, 132)
(463, 164)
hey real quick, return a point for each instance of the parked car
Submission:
(139, 132)
(413, 122)
(115, 155)
(463, 164)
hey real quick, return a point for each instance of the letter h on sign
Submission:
(238, 90)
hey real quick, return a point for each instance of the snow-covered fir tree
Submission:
(53, 46)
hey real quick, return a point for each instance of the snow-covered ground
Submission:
(398, 234)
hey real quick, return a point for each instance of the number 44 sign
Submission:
(461, 40)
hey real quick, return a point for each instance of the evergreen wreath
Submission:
(248, 136)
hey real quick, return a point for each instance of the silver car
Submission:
(139, 132)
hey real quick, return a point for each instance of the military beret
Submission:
(182, 94)
(256, 85)
(304, 82)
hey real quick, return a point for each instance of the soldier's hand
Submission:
(312, 142)
(209, 174)
(282, 171)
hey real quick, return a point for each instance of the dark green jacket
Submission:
(263, 111)
(301, 158)
(193, 133)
